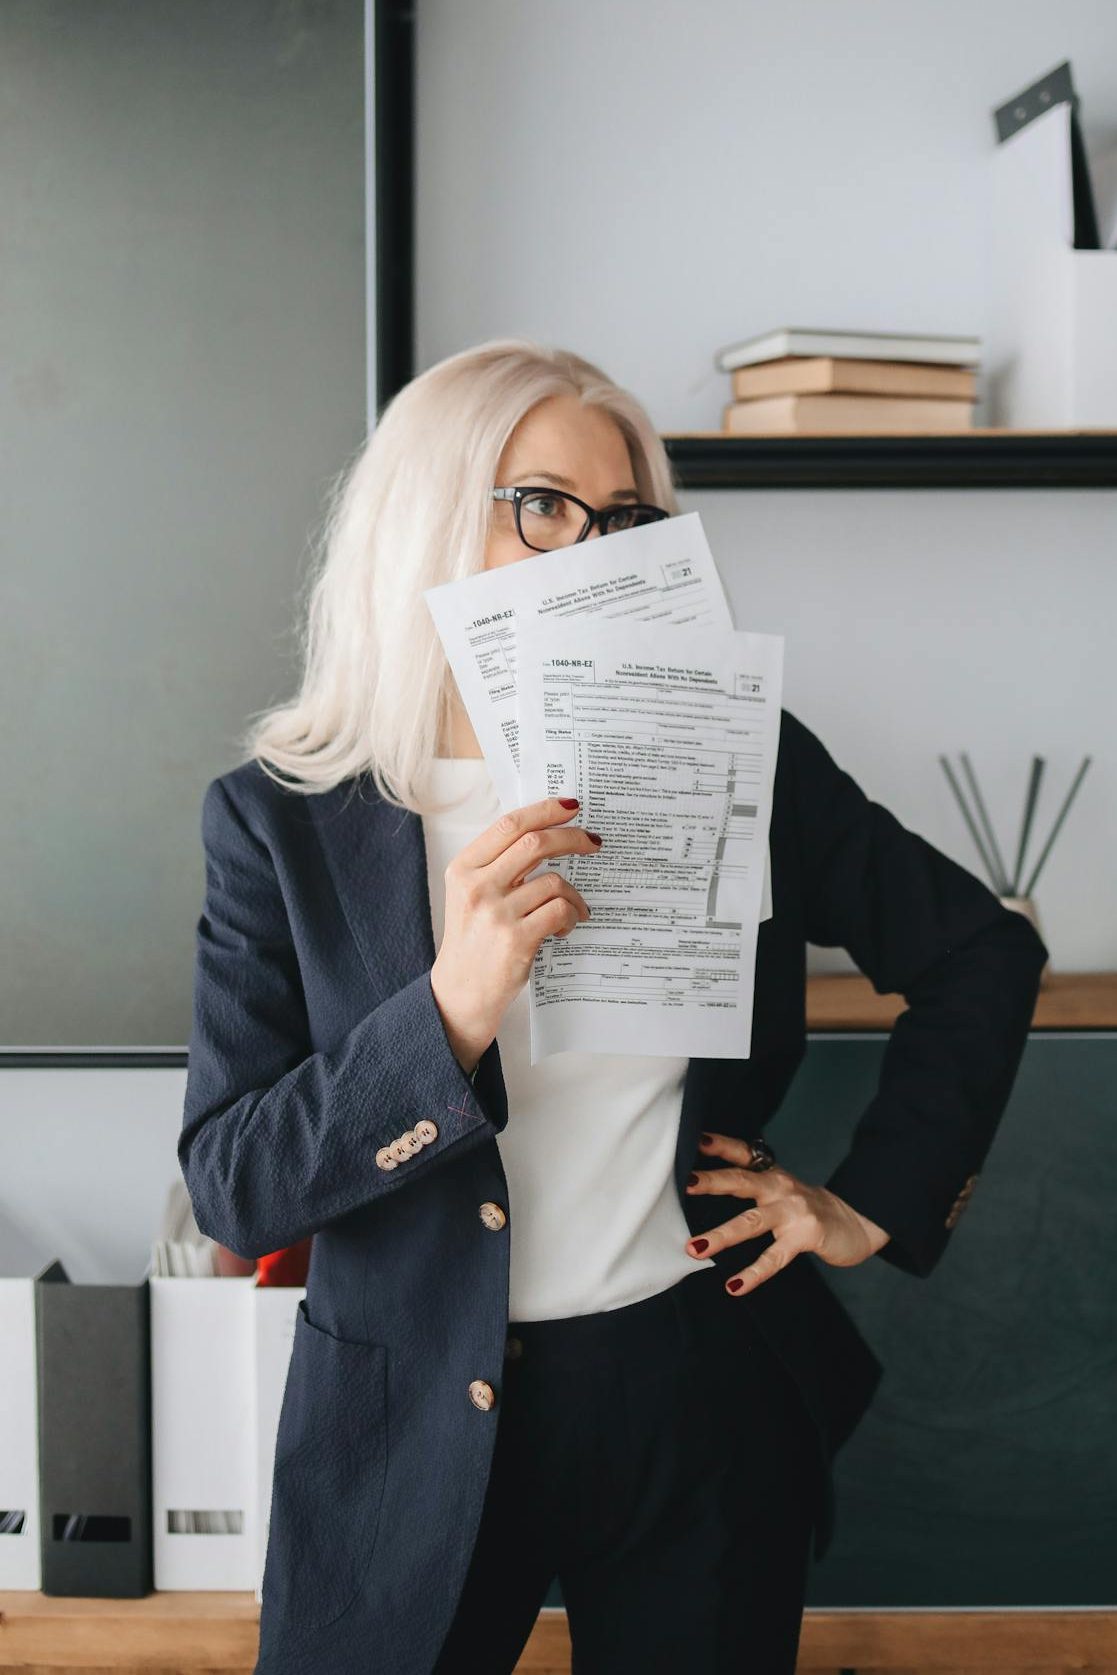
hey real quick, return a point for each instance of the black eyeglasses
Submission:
(550, 518)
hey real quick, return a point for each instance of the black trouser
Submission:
(658, 1460)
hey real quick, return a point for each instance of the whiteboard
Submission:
(183, 337)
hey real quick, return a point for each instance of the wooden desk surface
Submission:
(1067, 1000)
(183, 1633)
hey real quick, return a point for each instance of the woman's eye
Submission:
(537, 503)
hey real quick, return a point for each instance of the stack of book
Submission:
(797, 382)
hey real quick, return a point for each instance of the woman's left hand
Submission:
(799, 1216)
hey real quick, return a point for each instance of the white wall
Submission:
(645, 182)
(87, 1159)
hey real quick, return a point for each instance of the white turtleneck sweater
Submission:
(589, 1146)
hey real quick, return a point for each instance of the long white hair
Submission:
(411, 510)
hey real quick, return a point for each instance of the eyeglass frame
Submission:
(595, 517)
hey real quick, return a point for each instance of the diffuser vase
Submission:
(1026, 905)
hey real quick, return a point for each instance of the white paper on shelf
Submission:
(20, 1549)
(1051, 343)
(203, 1429)
(669, 737)
(662, 572)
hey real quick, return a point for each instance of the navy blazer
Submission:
(316, 1041)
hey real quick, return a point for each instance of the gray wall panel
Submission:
(182, 347)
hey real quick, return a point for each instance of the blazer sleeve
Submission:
(920, 925)
(278, 1140)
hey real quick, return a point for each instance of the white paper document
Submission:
(668, 736)
(662, 572)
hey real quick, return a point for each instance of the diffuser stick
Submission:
(968, 818)
(1054, 830)
(1029, 814)
(1003, 885)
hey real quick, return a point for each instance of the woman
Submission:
(560, 1320)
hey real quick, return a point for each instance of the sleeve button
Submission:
(384, 1158)
(960, 1202)
(426, 1131)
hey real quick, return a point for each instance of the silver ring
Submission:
(763, 1157)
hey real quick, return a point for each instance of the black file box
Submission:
(93, 1345)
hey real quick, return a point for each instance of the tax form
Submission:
(668, 736)
(662, 572)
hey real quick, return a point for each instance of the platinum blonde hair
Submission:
(410, 511)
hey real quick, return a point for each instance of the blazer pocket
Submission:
(328, 1477)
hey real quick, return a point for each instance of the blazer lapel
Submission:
(377, 859)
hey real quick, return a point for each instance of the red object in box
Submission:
(285, 1267)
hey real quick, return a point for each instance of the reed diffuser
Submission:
(1012, 895)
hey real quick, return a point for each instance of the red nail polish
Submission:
(707, 1139)
(700, 1245)
(692, 1179)
(569, 802)
(594, 836)
(734, 1284)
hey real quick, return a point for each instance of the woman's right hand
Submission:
(495, 921)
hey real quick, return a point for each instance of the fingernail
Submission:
(700, 1245)
(707, 1139)
(692, 1180)
(734, 1285)
(569, 802)
(594, 836)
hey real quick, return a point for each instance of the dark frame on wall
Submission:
(390, 126)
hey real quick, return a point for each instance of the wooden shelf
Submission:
(183, 1633)
(978, 459)
(1067, 1000)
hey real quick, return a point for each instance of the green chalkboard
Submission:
(985, 1473)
